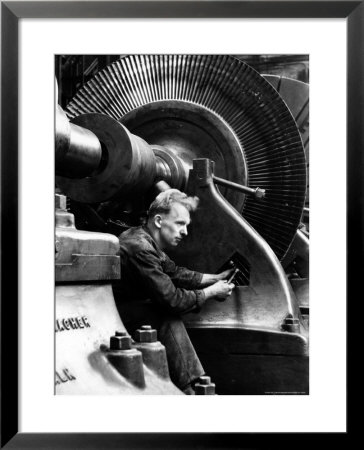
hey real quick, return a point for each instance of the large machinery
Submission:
(214, 127)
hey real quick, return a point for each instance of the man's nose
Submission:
(184, 231)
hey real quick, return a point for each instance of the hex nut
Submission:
(145, 335)
(120, 343)
(259, 193)
(291, 324)
(290, 320)
(61, 202)
(205, 389)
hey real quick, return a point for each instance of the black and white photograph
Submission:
(182, 224)
(181, 215)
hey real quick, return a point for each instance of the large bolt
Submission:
(154, 353)
(204, 386)
(259, 193)
(291, 320)
(145, 334)
(291, 324)
(120, 342)
(60, 202)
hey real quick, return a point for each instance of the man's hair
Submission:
(164, 201)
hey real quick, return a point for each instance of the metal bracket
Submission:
(269, 296)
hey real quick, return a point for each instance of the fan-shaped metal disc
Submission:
(295, 94)
(244, 125)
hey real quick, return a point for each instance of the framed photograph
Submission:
(249, 114)
(229, 82)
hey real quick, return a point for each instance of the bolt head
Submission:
(259, 193)
(202, 389)
(145, 335)
(291, 320)
(120, 343)
(291, 327)
(61, 202)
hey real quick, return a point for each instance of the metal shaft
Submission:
(257, 192)
(78, 151)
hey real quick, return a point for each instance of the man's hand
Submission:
(220, 290)
(226, 274)
(209, 279)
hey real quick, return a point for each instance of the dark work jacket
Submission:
(147, 273)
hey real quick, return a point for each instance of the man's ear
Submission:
(158, 221)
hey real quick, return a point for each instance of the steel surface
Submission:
(86, 318)
(82, 255)
(77, 150)
(129, 164)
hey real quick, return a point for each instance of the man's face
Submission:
(173, 226)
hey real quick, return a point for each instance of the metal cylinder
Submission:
(170, 167)
(78, 151)
(163, 170)
(128, 165)
(257, 192)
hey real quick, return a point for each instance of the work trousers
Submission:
(183, 362)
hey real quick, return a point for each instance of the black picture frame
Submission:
(11, 12)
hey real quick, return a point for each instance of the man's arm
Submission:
(215, 285)
(181, 276)
(209, 279)
(160, 286)
(163, 291)
(189, 279)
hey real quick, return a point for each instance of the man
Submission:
(153, 290)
